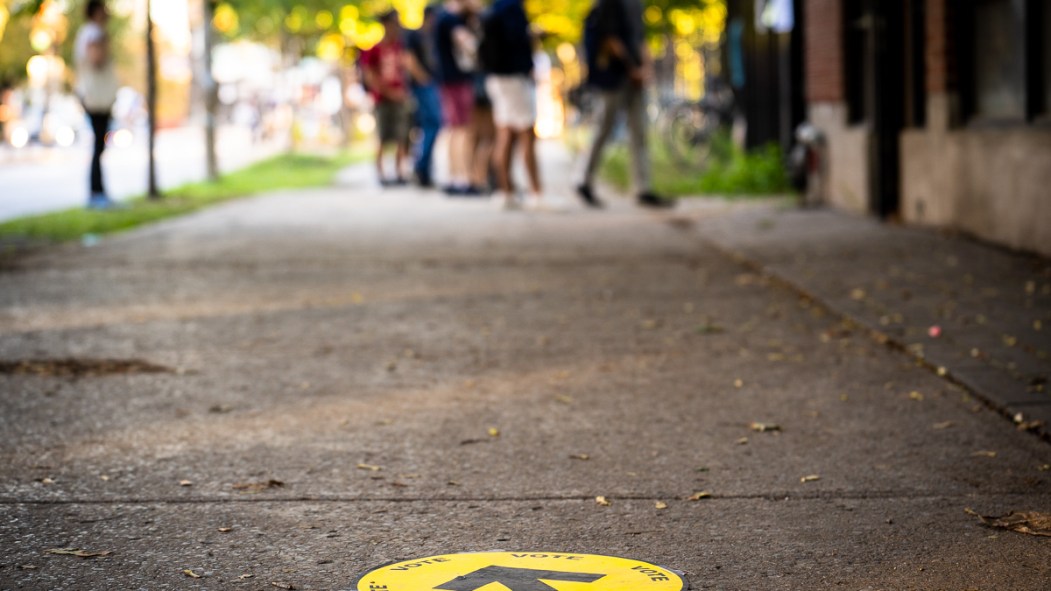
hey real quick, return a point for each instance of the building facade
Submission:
(937, 112)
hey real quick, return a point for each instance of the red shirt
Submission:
(385, 62)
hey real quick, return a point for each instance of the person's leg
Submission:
(502, 159)
(430, 121)
(482, 147)
(608, 105)
(99, 126)
(527, 143)
(635, 107)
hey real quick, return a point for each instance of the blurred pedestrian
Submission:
(385, 75)
(482, 126)
(423, 70)
(619, 68)
(456, 47)
(507, 55)
(96, 87)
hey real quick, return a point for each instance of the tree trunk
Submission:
(211, 95)
(151, 105)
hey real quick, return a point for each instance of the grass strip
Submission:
(729, 171)
(285, 171)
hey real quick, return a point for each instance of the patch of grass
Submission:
(730, 171)
(286, 171)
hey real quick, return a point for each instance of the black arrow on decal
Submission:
(515, 579)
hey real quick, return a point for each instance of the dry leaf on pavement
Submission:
(281, 585)
(660, 505)
(191, 574)
(603, 501)
(584, 457)
(1032, 523)
(78, 552)
(984, 454)
(699, 495)
(764, 427)
(810, 478)
(494, 432)
(369, 467)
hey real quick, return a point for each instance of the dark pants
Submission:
(429, 120)
(99, 125)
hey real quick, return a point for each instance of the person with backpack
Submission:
(619, 69)
(456, 48)
(506, 54)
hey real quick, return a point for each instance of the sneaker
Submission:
(588, 197)
(650, 199)
(453, 190)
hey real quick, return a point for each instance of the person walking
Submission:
(423, 70)
(507, 55)
(96, 87)
(619, 68)
(385, 75)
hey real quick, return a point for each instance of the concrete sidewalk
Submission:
(287, 391)
(974, 313)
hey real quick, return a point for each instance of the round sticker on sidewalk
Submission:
(521, 571)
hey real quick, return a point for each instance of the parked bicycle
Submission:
(689, 128)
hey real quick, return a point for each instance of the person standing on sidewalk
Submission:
(423, 69)
(456, 47)
(507, 56)
(619, 68)
(384, 70)
(96, 87)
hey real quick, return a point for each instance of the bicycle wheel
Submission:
(687, 134)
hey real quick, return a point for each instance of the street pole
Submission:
(151, 104)
(211, 97)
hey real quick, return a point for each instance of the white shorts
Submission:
(514, 100)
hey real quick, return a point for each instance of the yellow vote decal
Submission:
(521, 571)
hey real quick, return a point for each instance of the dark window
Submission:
(999, 60)
(916, 64)
(855, 30)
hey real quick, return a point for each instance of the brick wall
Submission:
(937, 47)
(824, 51)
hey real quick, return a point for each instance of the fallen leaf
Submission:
(942, 371)
(185, 483)
(1032, 523)
(704, 494)
(281, 585)
(984, 454)
(369, 467)
(857, 294)
(1010, 341)
(742, 441)
(738, 383)
(47, 481)
(27, 567)
(191, 574)
(660, 505)
(1044, 468)
(225, 530)
(1030, 425)
(104, 478)
(256, 487)
(603, 501)
(220, 409)
(942, 426)
(810, 478)
(78, 552)
(564, 399)
(764, 427)
(245, 576)
(494, 432)
(584, 457)
(917, 396)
